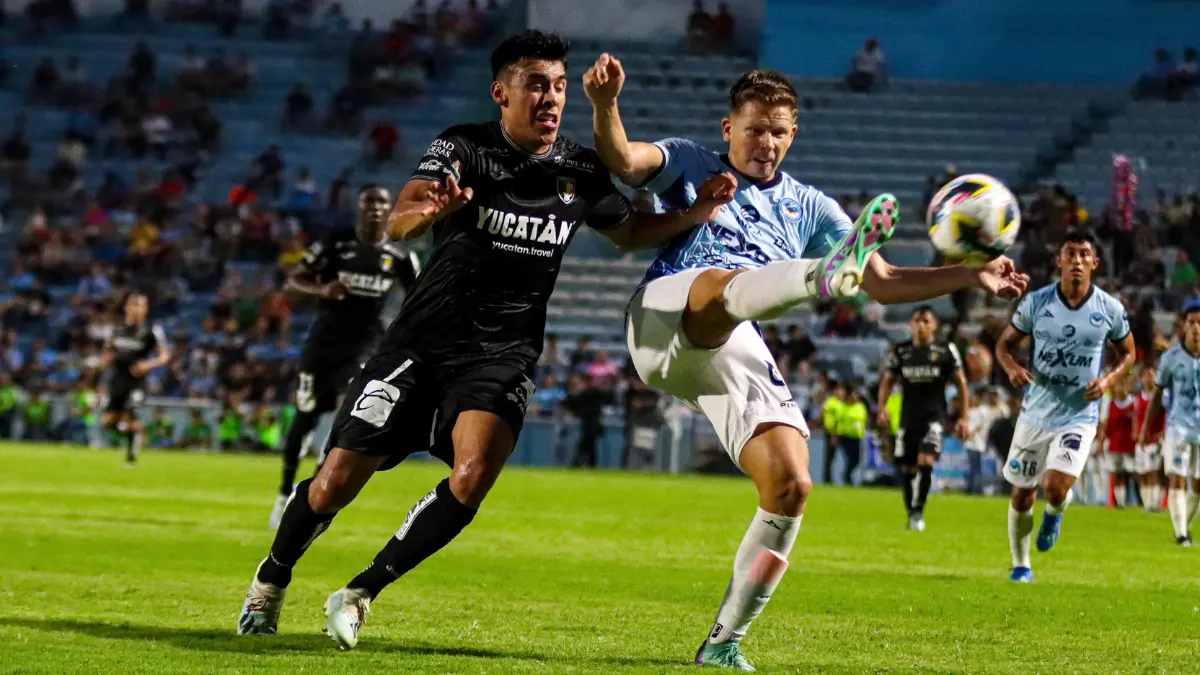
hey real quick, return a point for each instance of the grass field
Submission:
(109, 569)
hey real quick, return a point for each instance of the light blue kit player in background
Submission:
(690, 324)
(1179, 371)
(1070, 324)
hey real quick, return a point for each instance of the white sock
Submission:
(768, 542)
(1119, 493)
(1052, 510)
(1156, 495)
(1177, 504)
(1193, 506)
(1020, 529)
(768, 292)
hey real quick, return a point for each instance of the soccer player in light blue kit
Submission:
(1070, 323)
(1179, 371)
(689, 325)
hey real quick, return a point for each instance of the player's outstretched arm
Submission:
(1015, 371)
(422, 202)
(161, 358)
(1127, 354)
(649, 230)
(633, 163)
(888, 284)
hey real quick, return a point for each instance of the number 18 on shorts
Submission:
(1034, 451)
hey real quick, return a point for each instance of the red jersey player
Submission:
(1117, 430)
(1149, 456)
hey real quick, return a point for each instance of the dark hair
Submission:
(766, 86)
(922, 309)
(529, 44)
(1189, 309)
(367, 187)
(1079, 237)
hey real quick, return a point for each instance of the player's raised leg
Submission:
(721, 299)
(482, 443)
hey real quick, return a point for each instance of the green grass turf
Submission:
(109, 569)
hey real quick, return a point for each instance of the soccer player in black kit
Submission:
(452, 374)
(351, 271)
(923, 366)
(135, 348)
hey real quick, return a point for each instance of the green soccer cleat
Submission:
(723, 655)
(841, 271)
(345, 613)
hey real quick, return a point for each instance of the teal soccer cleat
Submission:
(723, 655)
(841, 271)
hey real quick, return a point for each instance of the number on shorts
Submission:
(1029, 468)
(305, 400)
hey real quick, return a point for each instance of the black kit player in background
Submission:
(135, 348)
(923, 366)
(452, 373)
(351, 272)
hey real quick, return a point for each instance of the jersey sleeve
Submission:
(158, 339)
(607, 207)
(956, 362)
(681, 160)
(407, 265)
(1120, 324)
(891, 363)
(1162, 377)
(1022, 319)
(316, 259)
(830, 225)
(450, 154)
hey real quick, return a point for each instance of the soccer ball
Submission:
(973, 219)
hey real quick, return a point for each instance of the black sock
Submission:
(906, 482)
(298, 529)
(301, 426)
(131, 446)
(430, 525)
(923, 485)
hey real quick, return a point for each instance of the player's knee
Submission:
(327, 497)
(926, 460)
(1057, 488)
(790, 492)
(1022, 500)
(471, 480)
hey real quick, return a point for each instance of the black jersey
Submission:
(923, 372)
(484, 290)
(345, 328)
(131, 344)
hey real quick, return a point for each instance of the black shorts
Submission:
(402, 403)
(917, 438)
(319, 384)
(124, 394)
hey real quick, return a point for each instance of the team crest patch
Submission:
(566, 189)
(385, 262)
(1097, 319)
(1068, 331)
(790, 209)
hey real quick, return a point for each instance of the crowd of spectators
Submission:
(708, 32)
(1170, 79)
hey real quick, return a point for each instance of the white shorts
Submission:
(1120, 462)
(1034, 451)
(1181, 458)
(737, 386)
(1149, 458)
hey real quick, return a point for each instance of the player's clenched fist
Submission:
(716, 192)
(603, 81)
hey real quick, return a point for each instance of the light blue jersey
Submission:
(779, 220)
(1179, 371)
(1067, 353)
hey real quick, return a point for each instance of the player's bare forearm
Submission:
(303, 284)
(407, 222)
(885, 390)
(960, 383)
(1010, 337)
(649, 230)
(888, 284)
(633, 163)
(1127, 351)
